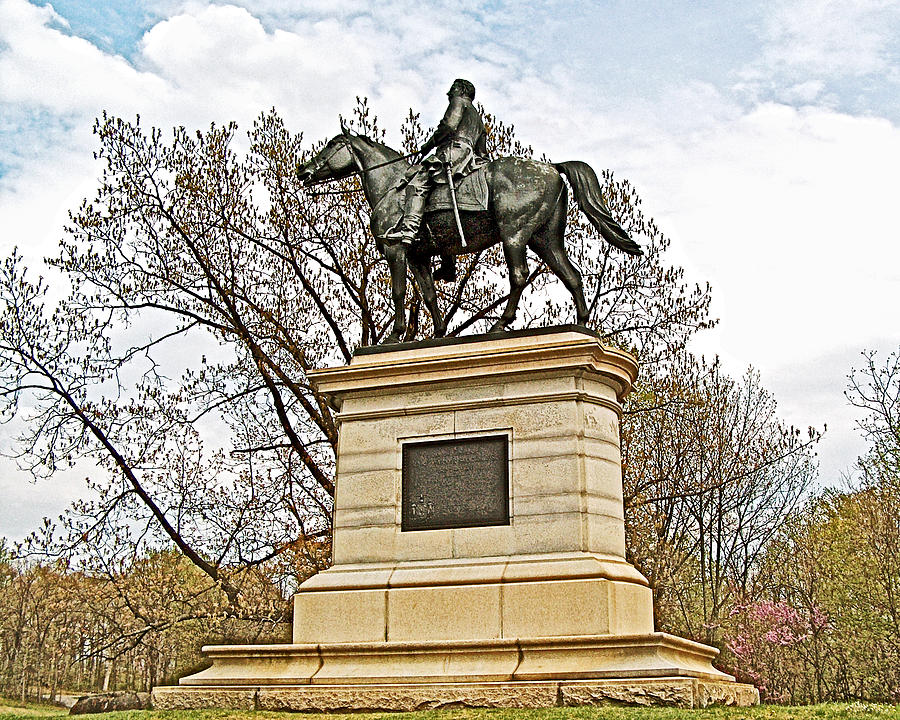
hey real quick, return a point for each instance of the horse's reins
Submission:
(386, 162)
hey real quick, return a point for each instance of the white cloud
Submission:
(787, 213)
(832, 37)
(803, 93)
(42, 67)
(26, 501)
(837, 53)
(223, 61)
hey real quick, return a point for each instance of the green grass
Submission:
(10, 708)
(831, 711)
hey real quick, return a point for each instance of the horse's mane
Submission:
(375, 144)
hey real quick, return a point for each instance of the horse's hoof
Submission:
(497, 328)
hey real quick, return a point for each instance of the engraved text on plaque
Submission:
(455, 483)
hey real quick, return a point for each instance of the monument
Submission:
(519, 203)
(479, 539)
(479, 545)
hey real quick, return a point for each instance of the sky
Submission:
(763, 137)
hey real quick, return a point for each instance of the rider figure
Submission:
(460, 140)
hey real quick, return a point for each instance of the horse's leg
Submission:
(396, 256)
(518, 215)
(549, 244)
(421, 270)
(517, 266)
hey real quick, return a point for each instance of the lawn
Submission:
(14, 709)
(11, 710)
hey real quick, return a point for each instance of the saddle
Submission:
(471, 194)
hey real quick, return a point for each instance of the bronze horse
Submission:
(527, 209)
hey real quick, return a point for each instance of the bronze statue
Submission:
(461, 145)
(523, 205)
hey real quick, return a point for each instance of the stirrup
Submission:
(403, 236)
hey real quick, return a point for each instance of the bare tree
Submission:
(875, 388)
(711, 475)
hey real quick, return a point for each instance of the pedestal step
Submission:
(684, 692)
(524, 659)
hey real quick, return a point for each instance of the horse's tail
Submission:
(590, 200)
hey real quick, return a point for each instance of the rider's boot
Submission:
(447, 270)
(408, 227)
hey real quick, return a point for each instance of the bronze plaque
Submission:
(455, 483)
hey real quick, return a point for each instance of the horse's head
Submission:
(335, 161)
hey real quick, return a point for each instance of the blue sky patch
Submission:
(114, 26)
(25, 133)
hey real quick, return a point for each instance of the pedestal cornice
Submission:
(482, 358)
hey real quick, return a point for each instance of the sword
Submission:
(459, 227)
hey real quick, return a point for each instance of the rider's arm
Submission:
(446, 126)
(481, 146)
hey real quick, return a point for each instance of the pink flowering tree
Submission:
(775, 645)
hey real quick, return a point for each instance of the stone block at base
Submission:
(165, 697)
(671, 692)
(736, 694)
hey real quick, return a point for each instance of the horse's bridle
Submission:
(318, 162)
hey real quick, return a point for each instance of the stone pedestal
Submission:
(539, 607)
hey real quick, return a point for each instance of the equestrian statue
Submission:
(458, 201)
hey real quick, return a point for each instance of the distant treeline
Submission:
(65, 630)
